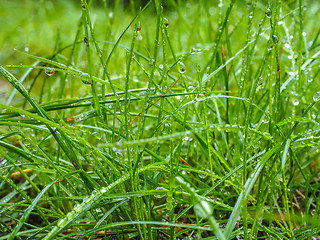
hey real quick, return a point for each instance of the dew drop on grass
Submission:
(160, 195)
(166, 22)
(316, 96)
(49, 71)
(203, 209)
(94, 192)
(275, 38)
(291, 73)
(182, 67)
(86, 81)
(268, 13)
(296, 103)
(62, 222)
(77, 208)
(138, 27)
(151, 62)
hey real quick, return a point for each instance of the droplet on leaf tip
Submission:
(49, 71)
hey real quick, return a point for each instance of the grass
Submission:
(192, 120)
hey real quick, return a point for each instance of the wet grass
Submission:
(190, 120)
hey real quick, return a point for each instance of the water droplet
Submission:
(151, 62)
(160, 195)
(166, 22)
(49, 71)
(62, 222)
(316, 96)
(268, 13)
(291, 73)
(86, 81)
(182, 67)
(193, 51)
(275, 38)
(203, 209)
(94, 192)
(77, 208)
(138, 27)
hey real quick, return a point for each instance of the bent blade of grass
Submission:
(95, 196)
(108, 213)
(28, 211)
(19, 151)
(25, 196)
(60, 67)
(21, 80)
(203, 208)
(161, 224)
(247, 188)
(65, 142)
(285, 154)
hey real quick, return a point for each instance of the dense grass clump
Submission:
(194, 119)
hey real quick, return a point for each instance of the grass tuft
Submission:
(174, 120)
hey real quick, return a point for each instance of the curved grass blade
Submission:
(203, 209)
(88, 203)
(247, 188)
(28, 211)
